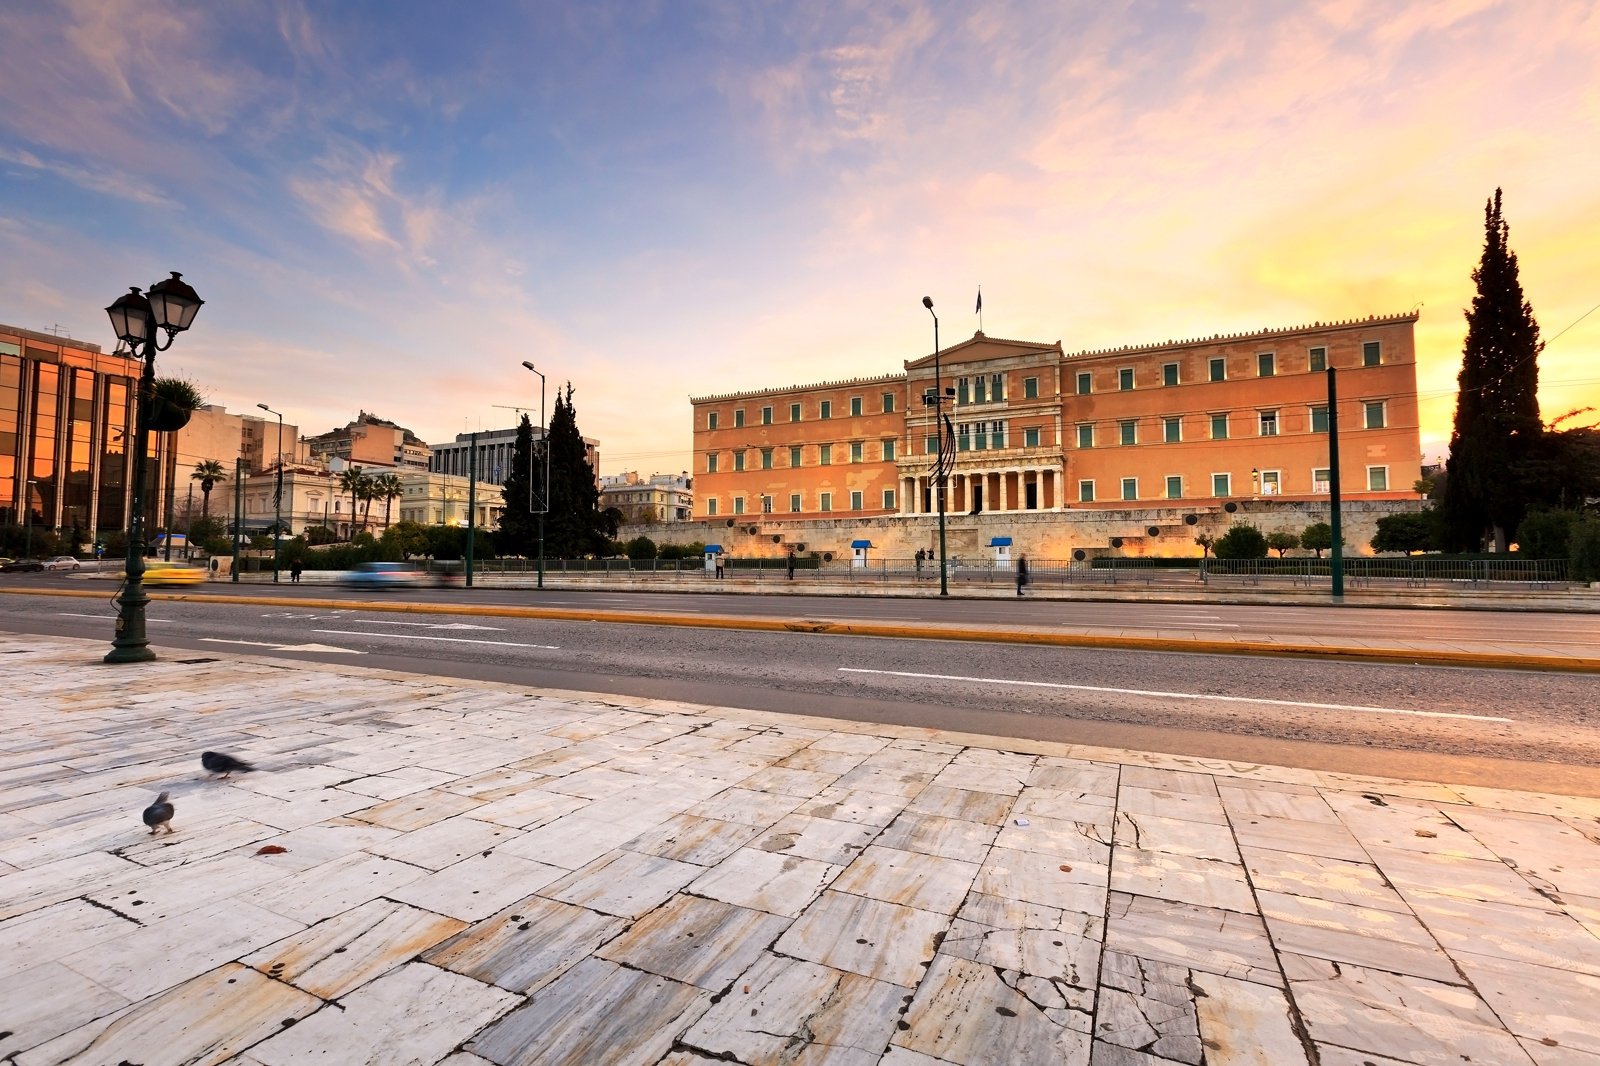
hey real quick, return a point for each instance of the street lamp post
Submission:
(27, 503)
(277, 501)
(942, 465)
(544, 483)
(170, 306)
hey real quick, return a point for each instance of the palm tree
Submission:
(388, 488)
(351, 480)
(368, 491)
(208, 472)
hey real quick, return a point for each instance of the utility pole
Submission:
(1336, 554)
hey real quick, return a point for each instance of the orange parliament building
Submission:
(1179, 423)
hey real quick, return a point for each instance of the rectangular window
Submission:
(1321, 479)
(888, 451)
(1030, 437)
(711, 420)
(766, 416)
(1371, 353)
(1222, 484)
(888, 499)
(825, 409)
(856, 501)
(825, 502)
(794, 412)
(766, 505)
(1219, 427)
(1086, 491)
(711, 508)
(1125, 378)
(1266, 364)
(1271, 482)
(930, 445)
(997, 434)
(1174, 486)
(1085, 435)
(857, 451)
(980, 390)
(1319, 418)
(766, 458)
(825, 454)
(794, 455)
(1377, 479)
(738, 505)
(1269, 423)
(963, 393)
(1085, 382)
(855, 407)
(1030, 388)
(711, 462)
(738, 461)
(1172, 429)
(1317, 360)
(1169, 373)
(794, 502)
(997, 388)
(1218, 369)
(888, 403)
(738, 418)
(1373, 411)
(1128, 432)
(1130, 488)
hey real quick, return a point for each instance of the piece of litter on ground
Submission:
(1020, 821)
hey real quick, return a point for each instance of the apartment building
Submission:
(1035, 428)
(372, 441)
(658, 498)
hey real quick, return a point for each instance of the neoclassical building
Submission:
(1035, 428)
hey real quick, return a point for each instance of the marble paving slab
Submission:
(964, 1013)
(884, 941)
(696, 941)
(778, 884)
(348, 950)
(527, 945)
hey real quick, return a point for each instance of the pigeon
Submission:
(220, 763)
(158, 814)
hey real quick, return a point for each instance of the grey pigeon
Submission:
(220, 763)
(158, 814)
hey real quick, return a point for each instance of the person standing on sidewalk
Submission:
(719, 566)
(1022, 572)
(921, 555)
(790, 564)
(296, 568)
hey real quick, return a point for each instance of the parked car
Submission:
(62, 562)
(381, 576)
(16, 566)
(164, 573)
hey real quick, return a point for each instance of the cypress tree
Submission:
(1497, 428)
(575, 525)
(517, 522)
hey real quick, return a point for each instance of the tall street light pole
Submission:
(169, 306)
(27, 503)
(544, 483)
(941, 466)
(277, 501)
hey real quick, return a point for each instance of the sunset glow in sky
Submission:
(388, 206)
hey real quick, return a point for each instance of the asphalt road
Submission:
(1510, 728)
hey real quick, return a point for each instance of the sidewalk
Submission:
(434, 871)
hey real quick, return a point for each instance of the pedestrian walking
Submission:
(719, 566)
(791, 564)
(1022, 572)
(921, 555)
(295, 570)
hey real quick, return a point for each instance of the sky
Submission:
(389, 206)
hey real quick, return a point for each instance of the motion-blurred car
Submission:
(16, 566)
(381, 576)
(62, 562)
(165, 573)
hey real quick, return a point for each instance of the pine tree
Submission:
(1497, 427)
(518, 529)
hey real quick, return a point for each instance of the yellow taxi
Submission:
(164, 573)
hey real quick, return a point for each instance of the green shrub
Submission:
(1583, 548)
(1546, 534)
(1404, 532)
(1241, 542)
(640, 547)
(1317, 537)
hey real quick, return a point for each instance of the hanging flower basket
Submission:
(172, 402)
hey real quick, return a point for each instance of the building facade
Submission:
(496, 450)
(658, 498)
(374, 441)
(1033, 428)
(66, 423)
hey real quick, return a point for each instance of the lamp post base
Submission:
(130, 645)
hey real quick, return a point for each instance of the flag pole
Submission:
(979, 309)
